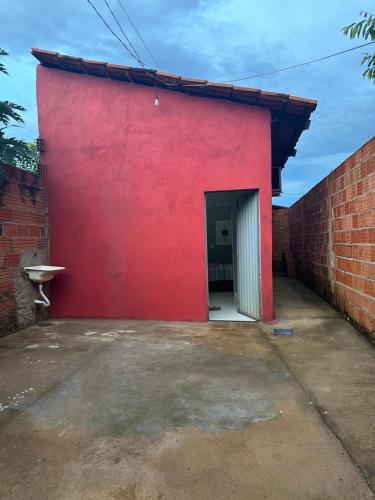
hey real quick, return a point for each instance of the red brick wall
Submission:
(282, 259)
(23, 241)
(333, 237)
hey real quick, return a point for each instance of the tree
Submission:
(14, 151)
(366, 30)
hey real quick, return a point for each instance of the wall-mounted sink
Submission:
(40, 274)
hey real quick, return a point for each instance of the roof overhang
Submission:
(290, 115)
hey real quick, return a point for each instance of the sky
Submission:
(215, 40)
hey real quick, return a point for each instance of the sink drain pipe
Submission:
(45, 302)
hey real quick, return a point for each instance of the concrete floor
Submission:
(228, 310)
(152, 410)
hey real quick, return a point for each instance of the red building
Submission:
(161, 205)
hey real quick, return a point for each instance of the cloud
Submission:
(217, 40)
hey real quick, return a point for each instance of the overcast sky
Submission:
(216, 40)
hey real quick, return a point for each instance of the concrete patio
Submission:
(153, 410)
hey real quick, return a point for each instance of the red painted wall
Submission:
(125, 188)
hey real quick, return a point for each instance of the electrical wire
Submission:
(136, 55)
(139, 35)
(302, 64)
(287, 68)
(111, 30)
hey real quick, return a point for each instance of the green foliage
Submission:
(2, 67)
(19, 153)
(13, 151)
(366, 30)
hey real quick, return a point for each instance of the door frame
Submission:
(238, 192)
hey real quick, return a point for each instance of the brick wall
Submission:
(282, 259)
(332, 235)
(23, 242)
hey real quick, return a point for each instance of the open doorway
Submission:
(233, 260)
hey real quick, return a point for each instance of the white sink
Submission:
(40, 274)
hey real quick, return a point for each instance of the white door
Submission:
(248, 256)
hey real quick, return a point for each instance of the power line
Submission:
(139, 35)
(137, 58)
(136, 55)
(111, 30)
(299, 65)
(285, 69)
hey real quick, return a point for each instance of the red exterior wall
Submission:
(333, 237)
(125, 186)
(23, 242)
